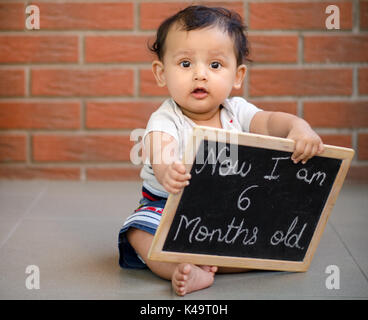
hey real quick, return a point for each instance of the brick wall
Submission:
(71, 92)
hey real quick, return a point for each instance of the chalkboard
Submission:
(247, 204)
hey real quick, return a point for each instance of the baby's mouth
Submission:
(200, 93)
(198, 90)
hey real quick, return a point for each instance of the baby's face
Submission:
(200, 69)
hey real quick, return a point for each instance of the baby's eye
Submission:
(215, 65)
(185, 64)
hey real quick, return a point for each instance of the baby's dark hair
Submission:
(199, 17)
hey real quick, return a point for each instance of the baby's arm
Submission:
(162, 150)
(285, 125)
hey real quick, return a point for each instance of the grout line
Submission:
(81, 49)
(354, 142)
(300, 49)
(300, 109)
(136, 83)
(27, 75)
(356, 18)
(136, 16)
(29, 148)
(14, 228)
(355, 83)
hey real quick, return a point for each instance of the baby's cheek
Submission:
(178, 91)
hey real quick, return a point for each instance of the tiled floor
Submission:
(69, 230)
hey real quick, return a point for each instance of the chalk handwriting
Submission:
(237, 231)
(289, 240)
(242, 198)
(226, 166)
(201, 233)
(271, 176)
(302, 174)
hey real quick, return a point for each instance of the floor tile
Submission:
(70, 229)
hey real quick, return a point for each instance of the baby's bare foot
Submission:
(188, 278)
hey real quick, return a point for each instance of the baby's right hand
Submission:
(175, 177)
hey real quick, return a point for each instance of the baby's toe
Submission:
(184, 268)
(181, 291)
(180, 277)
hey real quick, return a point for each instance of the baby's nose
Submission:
(200, 73)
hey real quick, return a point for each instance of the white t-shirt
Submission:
(235, 115)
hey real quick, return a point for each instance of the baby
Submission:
(201, 53)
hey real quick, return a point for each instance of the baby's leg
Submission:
(185, 278)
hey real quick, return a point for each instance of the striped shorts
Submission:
(147, 218)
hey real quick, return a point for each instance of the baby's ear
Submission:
(158, 72)
(240, 75)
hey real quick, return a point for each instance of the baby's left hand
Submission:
(307, 142)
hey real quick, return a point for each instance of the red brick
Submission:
(39, 115)
(112, 174)
(12, 147)
(281, 106)
(118, 49)
(12, 16)
(273, 48)
(79, 148)
(296, 15)
(74, 82)
(119, 115)
(86, 16)
(12, 82)
(363, 14)
(336, 48)
(34, 172)
(153, 13)
(23, 49)
(363, 146)
(300, 82)
(340, 140)
(363, 80)
(337, 114)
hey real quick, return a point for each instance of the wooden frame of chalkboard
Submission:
(242, 186)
